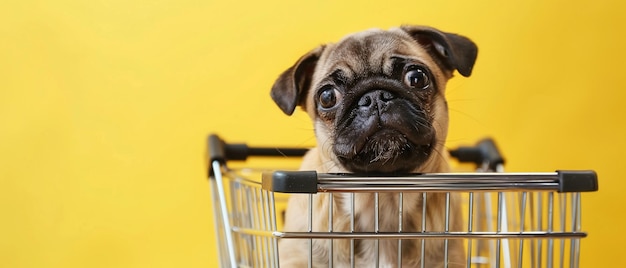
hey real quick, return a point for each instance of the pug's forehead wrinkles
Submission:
(373, 51)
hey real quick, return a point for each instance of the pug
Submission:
(377, 102)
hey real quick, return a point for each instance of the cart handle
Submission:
(222, 151)
(485, 151)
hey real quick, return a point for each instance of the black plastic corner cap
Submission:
(577, 181)
(303, 182)
(216, 149)
(491, 153)
(485, 151)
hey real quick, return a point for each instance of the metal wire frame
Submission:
(243, 217)
(533, 228)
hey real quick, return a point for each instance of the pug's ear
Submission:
(291, 87)
(452, 51)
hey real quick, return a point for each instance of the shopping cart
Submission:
(510, 219)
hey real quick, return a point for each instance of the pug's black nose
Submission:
(376, 98)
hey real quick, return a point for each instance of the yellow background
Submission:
(104, 108)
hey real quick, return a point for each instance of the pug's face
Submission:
(377, 97)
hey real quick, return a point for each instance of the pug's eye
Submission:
(417, 78)
(328, 97)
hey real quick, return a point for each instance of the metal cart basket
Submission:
(509, 219)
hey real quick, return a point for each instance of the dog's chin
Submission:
(387, 152)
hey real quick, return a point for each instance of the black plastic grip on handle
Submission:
(301, 182)
(267, 151)
(577, 181)
(237, 151)
(485, 151)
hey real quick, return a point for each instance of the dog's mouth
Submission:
(383, 129)
(386, 150)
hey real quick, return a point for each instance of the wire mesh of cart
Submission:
(509, 219)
